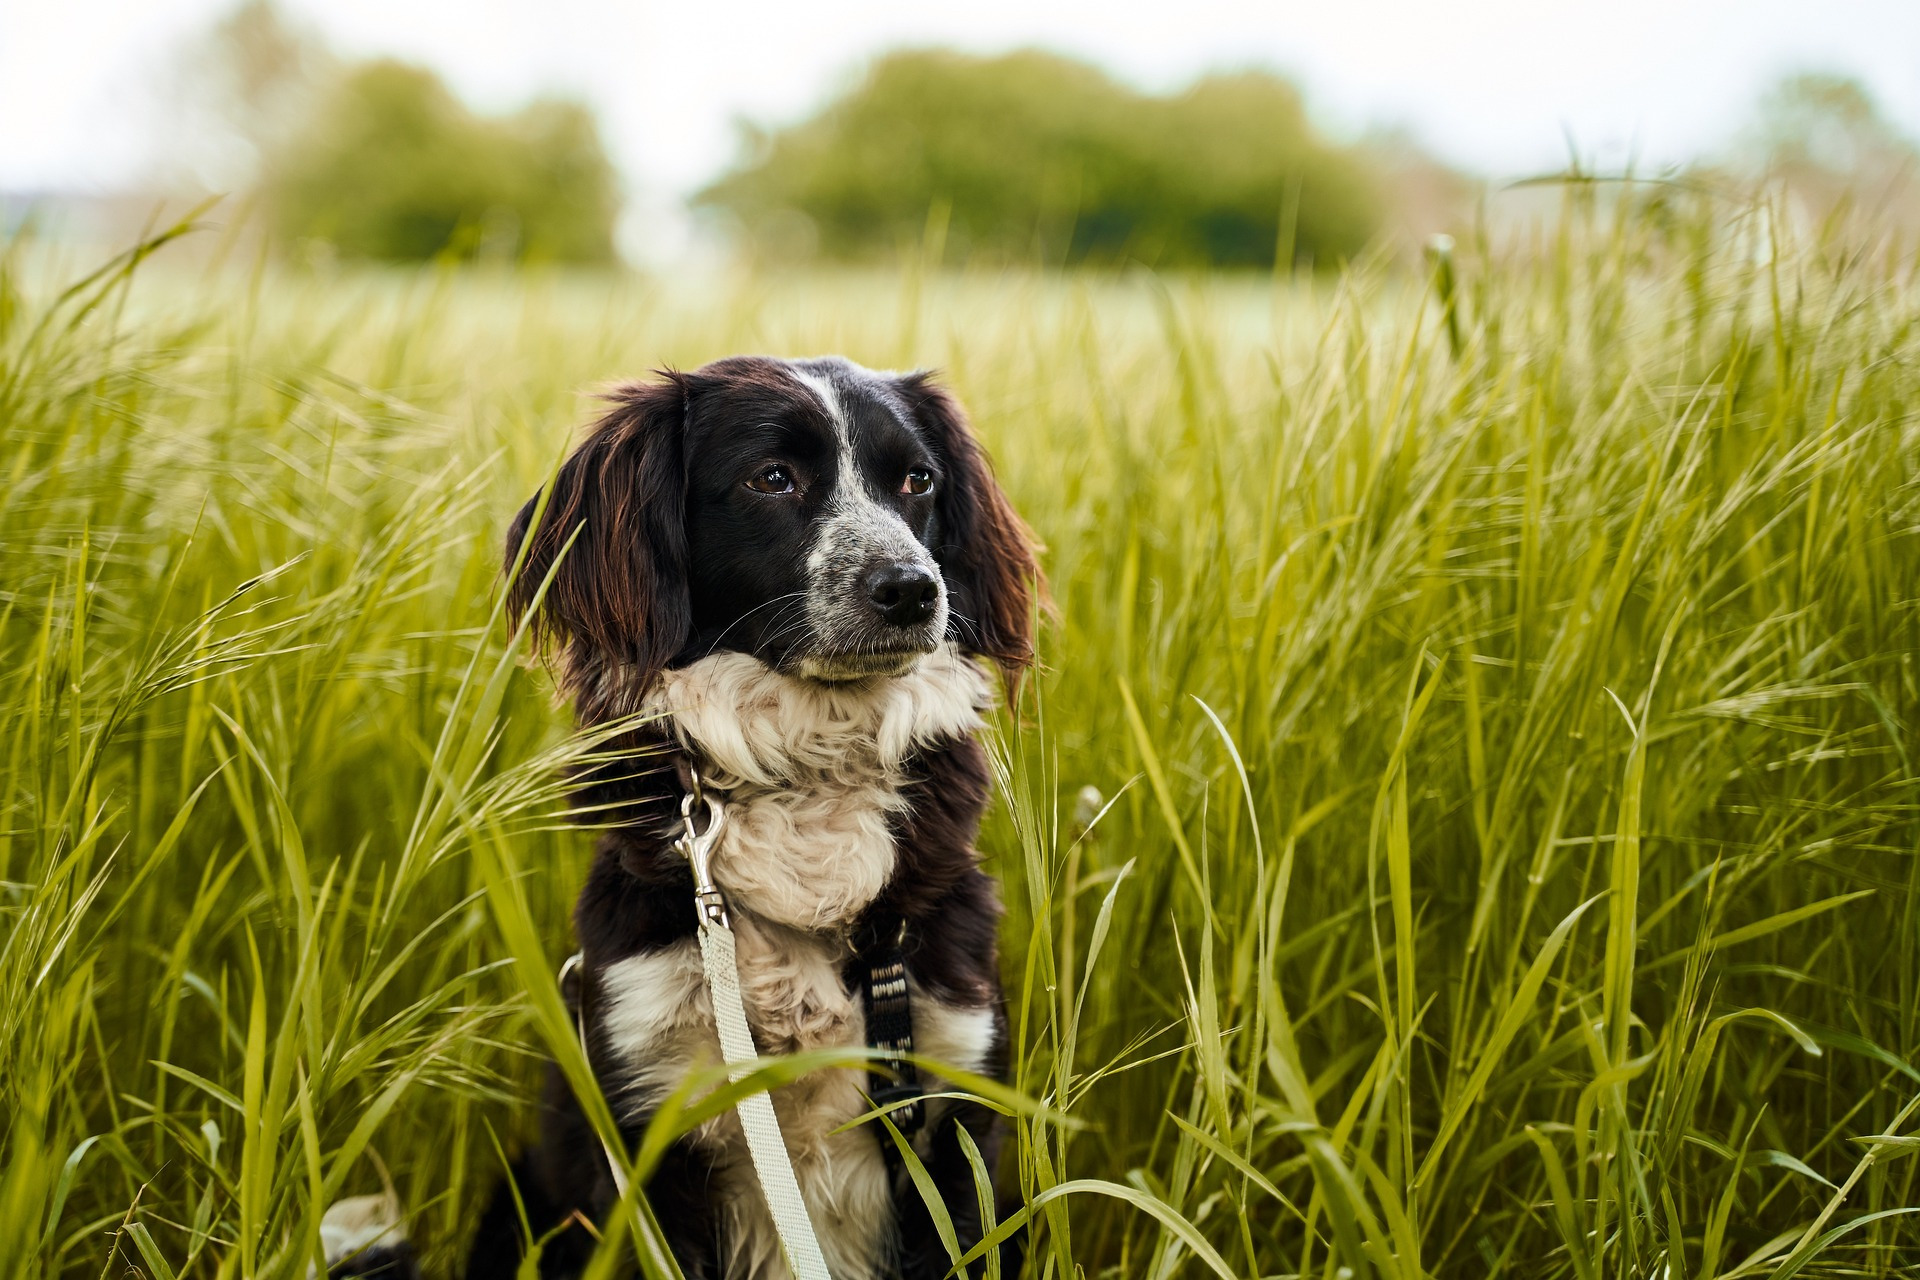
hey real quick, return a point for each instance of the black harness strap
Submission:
(882, 969)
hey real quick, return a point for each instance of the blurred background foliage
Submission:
(393, 166)
(1034, 156)
(1027, 157)
(380, 160)
(1834, 153)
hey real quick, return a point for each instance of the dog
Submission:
(803, 579)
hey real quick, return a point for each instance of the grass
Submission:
(1467, 823)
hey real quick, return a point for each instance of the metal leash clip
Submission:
(696, 846)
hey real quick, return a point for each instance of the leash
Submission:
(894, 1088)
(720, 959)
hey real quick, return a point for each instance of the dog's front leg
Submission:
(683, 1197)
(565, 1179)
(922, 1254)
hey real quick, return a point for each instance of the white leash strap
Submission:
(768, 1148)
(721, 961)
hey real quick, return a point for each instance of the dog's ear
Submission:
(985, 551)
(615, 522)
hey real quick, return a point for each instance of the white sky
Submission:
(1497, 86)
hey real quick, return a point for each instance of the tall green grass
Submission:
(1467, 822)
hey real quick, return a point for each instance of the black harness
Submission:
(881, 966)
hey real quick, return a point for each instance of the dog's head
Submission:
(835, 522)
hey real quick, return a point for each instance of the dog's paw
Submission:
(365, 1236)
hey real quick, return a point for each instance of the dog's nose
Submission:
(904, 594)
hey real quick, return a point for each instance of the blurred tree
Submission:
(389, 164)
(241, 89)
(1820, 121)
(1034, 155)
(266, 68)
(1826, 140)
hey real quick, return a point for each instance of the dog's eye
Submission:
(772, 480)
(918, 481)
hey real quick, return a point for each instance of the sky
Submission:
(1499, 87)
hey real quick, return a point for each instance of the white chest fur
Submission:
(813, 775)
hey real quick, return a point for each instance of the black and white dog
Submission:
(796, 566)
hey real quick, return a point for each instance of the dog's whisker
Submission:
(779, 599)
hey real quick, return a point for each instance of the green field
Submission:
(1513, 855)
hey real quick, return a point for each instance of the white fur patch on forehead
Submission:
(829, 398)
(768, 729)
